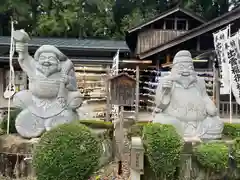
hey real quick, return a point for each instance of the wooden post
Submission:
(217, 88)
(108, 105)
(121, 140)
(175, 24)
(137, 94)
(164, 24)
(198, 44)
(187, 25)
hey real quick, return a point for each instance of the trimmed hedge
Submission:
(69, 152)
(212, 156)
(163, 148)
(231, 130)
(97, 124)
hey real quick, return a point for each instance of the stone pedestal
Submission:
(186, 166)
(16, 156)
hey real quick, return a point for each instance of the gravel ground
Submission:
(109, 172)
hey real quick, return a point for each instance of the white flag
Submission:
(219, 41)
(115, 65)
(232, 49)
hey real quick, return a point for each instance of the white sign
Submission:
(233, 53)
(219, 40)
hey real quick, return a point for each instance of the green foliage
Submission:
(4, 124)
(97, 124)
(231, 130)
(69, 151)
(163, 148)
(135, 18)
(212, 156)
(236, 151)
(95, 19)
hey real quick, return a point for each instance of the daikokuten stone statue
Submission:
(184, 103)
(53, 97)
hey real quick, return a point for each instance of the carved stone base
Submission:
(209, 128)
(28, 125)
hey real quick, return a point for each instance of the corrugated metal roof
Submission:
(73, 43)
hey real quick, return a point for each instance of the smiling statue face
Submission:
(48, 64)
(184, 69)
(186, 73)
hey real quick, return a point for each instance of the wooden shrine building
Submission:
(177, 29)
(160, 38)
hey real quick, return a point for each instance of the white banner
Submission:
(115, 65)
(232, 49)
(219, 39)
(114, 71)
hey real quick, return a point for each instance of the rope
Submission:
(11, 86)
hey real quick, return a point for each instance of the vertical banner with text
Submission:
(114, 71)
(232, 48)
(220, 38)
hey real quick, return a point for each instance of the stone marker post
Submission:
(186, 158)
(137, 158)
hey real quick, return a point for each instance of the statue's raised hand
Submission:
(20, 47)
(167, 84)
(21, 38)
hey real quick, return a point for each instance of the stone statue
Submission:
(53, 97)
(184, 103)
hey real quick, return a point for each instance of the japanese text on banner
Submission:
(232, 49)
(219, 39)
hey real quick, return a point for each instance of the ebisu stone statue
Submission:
(52, 97)
(184, 102)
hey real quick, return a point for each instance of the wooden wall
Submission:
(152, 38)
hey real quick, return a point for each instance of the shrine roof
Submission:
(166, 14)
(122, 75)
(208, 27)
(71, 43)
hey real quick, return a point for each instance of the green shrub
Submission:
(236, 151)
(67, 152)
(97, 124)
(212, 156)
(163, 147)
(13, 115)
(231, 130)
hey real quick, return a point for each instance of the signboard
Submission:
(123, 89)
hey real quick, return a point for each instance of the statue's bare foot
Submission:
(28, 125)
